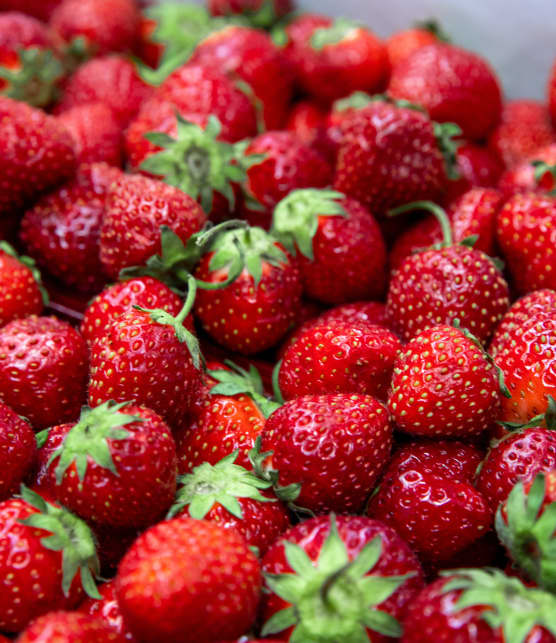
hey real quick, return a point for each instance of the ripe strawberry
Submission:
(440, 376)
(104, 25)
(47, 558)
(453, 85)
(255, 310)
(356, 574)
(36, 153)
(62, 230)
(477, 166)
(17, 450)
(188, 579)
(43, 369)
(69, 627)
(107, 610)
(261, 13)
(307, 120)
(335, 446)
(401, 44)
(526, 231)
(342, 255)
(333, 58)
(531, 176)
(472, 605)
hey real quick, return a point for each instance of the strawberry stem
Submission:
(436, 210)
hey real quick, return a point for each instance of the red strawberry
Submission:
(104, 25)
(47, 558)
(69, 627)
(477, 166)
(526, 231)
(401, 44)
(335, 446)
(36, 153)
(333, 58)
(62, 230)
(261, 13)
(307, 120)
(440, 376)
(17, 450)
(531, 176)
(188, 579)
(342, 256)
(357, 575)
(107, 610)
(43, 369)
(453, 85)
(472, 605)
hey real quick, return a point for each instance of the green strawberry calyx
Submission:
(356, 100)
(28, 262)
(542, 169)
(263, 17)
(510, 606)
(89, 439)
(221, 483)
(447, 137)
(296, 218)
(69, 535)
(199, 164)
(35, 80)
(545, 420)
(341, 29)
(529, 532)
(333, 598)
(435, 28)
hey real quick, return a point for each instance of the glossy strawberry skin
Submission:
(477, 166)
(335, 445)
(143, 205)
(43, 369)
(521, 178)
(19, 292)
(453, 85)
(188, 578)
(232, 7)
(401, 44)
(17, 450)
(107, 610)
(438, 286)
(69, 627)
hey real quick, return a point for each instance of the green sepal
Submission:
(221, 483)
(513, 608)
(339, 30)
(333, 599)
(88, 438)
(545, 420)
(296, 218)
(75, 53)
(445, 134)
(469, 241)
(357, 100)
(69, 535)
(30, 263)
(435, 28)
(276, 383)
(541, 168)
(264, 17)
(246, 89)
(36, 80)
(41, 437)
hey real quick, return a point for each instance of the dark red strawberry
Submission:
(17, 450)
(69, 627)
(107, 610)
(453, 85)
(534, 174)
(477, 167)
(401, 44)
(357, 575)
(261, 13)
(480, 605)
(40, 9)
(43, 369)
(188, 578)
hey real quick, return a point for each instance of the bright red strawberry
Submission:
(440, 376)
(62, 230)
(530, 176)
(261, 13)
(307, 120)
(401, 44)
(339, 357)
(356, 574)
(477, 167)
(333, 58)
(104, 25)
(480, 605)
(526, 231)
(341, 252)
(258, 306)
(36, 153)
(189, 579)
(69, 627)
(453, 85)
(335, 446)
(107, 610)
(47, 558)
(17, 450)
(43, 369)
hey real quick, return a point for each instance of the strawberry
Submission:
(333, 58)
(255, 310)
(43, 369)
(339, 357)
(30, 70)
(525, 127)
(21, 290)
(116, 466)
(472, 605)
(188, 579)
(107, 610)
(552, 93)
(47, 557)
(36, 153)
(261, 13)
(526, 231)
(453, 85)
(17, 450)
(307, 120)
(69, 627)
(477, 166)
(401, 44)
(335, 446)
(117, 299)
(112, 80)
(104, 25)
(62, 230)
(342, 255)
(431, 502)
(442, 373)
(355, 575)
(534, 174)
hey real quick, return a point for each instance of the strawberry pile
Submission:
(277, 331)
